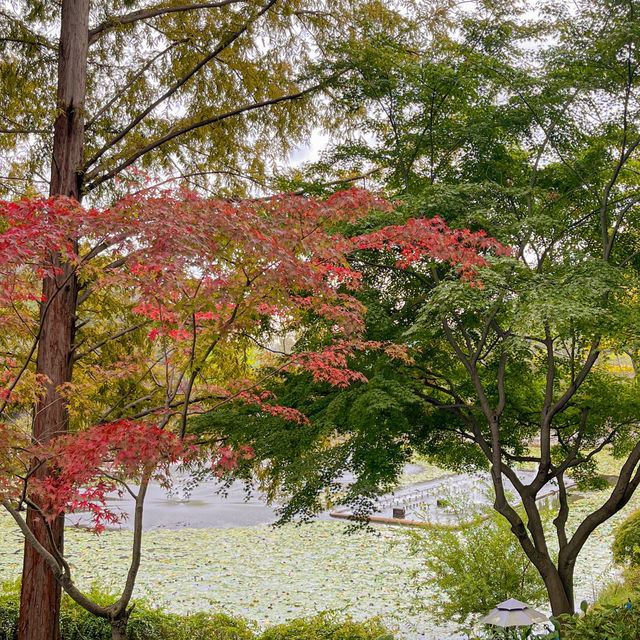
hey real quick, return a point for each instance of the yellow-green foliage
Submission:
(626, 544)
(181, 91)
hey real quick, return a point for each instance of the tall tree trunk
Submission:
(40, 595)
(68, 140)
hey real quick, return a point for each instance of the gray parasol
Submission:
(513, 613)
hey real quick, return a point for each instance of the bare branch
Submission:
(627, 483)
(145, 14)
(25, 131)
(129, 84)
(30, 537)
(120, 606)
(196, 125)
(115, 336)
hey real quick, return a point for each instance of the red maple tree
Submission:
(179, 302)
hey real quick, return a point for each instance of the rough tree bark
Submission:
(40, 595)
(119, 629)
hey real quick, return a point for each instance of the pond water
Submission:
(209, 505)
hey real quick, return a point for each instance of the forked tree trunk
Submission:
(557, 578)
(40, 595)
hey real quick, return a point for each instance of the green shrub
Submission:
(327, 627)
(78, 624)
(605, 622)
(616, 593)
(150, 624)
(512, 633)
(9, 605)
(626, 542)
(476, 567)
(155, 624)
(145, 623)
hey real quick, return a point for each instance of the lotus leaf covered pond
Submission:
(271, 574)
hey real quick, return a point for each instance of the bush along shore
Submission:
(147, 623)
(601, 622)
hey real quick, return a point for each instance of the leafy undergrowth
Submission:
(606, 622)
(147, 623)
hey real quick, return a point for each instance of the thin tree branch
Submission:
(145, 14)
(121, 604)
(129, 84)
(24, 131)
(175, 87)
(115, 336)
(196, 125)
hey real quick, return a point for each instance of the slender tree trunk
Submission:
(40, 596)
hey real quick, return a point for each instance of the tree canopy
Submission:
(528, 129)
(169, 323)
(210, 92)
